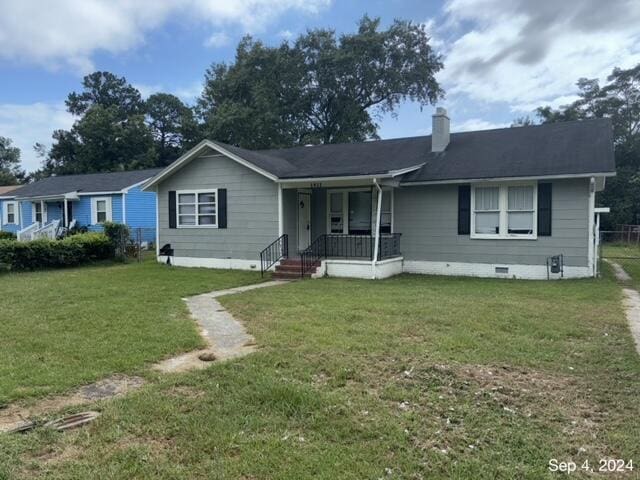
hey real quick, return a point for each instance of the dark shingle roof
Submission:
(92, 182)
(568, 148)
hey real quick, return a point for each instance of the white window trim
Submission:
(44, 212)
(94, 209)
(195, 192)
(345, 207)
(5, 213)
(504, 217)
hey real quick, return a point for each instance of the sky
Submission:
(502, 58)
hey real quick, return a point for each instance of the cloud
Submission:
(27, 124)
(474, 124)
(285, 34)
(529, 53)
(217, 39)
(68, 35)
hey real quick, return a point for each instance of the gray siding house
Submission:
(497, 203)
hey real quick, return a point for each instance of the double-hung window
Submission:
(504, 211)
(11, 213)
(101, 211)
(197, 208)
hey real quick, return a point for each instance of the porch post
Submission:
(66, 213)
(280, 212)
(376, 245)
(41, 213)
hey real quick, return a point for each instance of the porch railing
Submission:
(332, 245)
(276, 251)
(49, 231)
(26, 233)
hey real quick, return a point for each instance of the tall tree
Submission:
(10, 171)
(110, 133)
(321, 89)
(619, 100)
(172, 125)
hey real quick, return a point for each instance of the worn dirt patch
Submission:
(111, 387)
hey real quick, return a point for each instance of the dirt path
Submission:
(631, 303)
(226, 338)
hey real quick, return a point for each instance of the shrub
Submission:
(40, 254)
(7, 236)
(118, 234)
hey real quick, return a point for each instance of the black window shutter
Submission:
(464, 210)
(544, 209)
(172, 209)
(222, 208)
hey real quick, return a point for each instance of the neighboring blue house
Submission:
(89, 200)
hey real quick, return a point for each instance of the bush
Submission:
(118, 234)
(7, 236)
(40, 254)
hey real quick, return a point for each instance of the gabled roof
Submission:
(84, 184)
(4, 190)
(577, 148)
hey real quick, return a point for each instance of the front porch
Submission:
(336, 230)
(46, 217)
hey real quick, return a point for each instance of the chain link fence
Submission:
(136, 244)
(621, 246)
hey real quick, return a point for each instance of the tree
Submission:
(110, 133)
(321, 89)
(107, 90)
(619, 100)
(10, 171)
(173, 126)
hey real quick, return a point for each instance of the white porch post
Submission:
(66, 213)
(376, 244)
(41, 213)
(280, 212)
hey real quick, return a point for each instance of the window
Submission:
(505, 211)
(336, 212)
(487, 210)
(11, 213)
(197, 208)
(520, 210)
(101, 210)
(37, 213)
(385, 213)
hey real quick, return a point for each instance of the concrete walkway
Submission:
(631, 302)
(226, 337)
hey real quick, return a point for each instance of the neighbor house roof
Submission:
(559, 149)
(88, 183)
(8, 188)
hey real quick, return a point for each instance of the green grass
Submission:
(627, 256)
(66, 327)
(360, 379)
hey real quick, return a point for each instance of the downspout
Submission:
(376, 245)
(591, 224)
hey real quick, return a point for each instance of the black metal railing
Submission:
(276, 251)
(333, 245)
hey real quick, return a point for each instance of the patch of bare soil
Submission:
(19, 414)
(453, 397)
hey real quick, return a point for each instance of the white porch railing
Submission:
(50, 231)
(26, 233)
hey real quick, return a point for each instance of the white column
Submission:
(66, 213)
(280, 212)
(42, 222)
(591, 224)
(376, 243)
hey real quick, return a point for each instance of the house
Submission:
(511, 202)
(41, 208)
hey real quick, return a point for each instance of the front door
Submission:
(304, 220)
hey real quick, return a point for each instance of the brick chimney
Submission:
(440, 130)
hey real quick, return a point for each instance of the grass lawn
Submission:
(66, 327)
(412, 377)
(627, 256)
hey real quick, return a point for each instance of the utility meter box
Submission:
(556, 264)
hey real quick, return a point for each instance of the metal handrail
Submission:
(275, 252)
